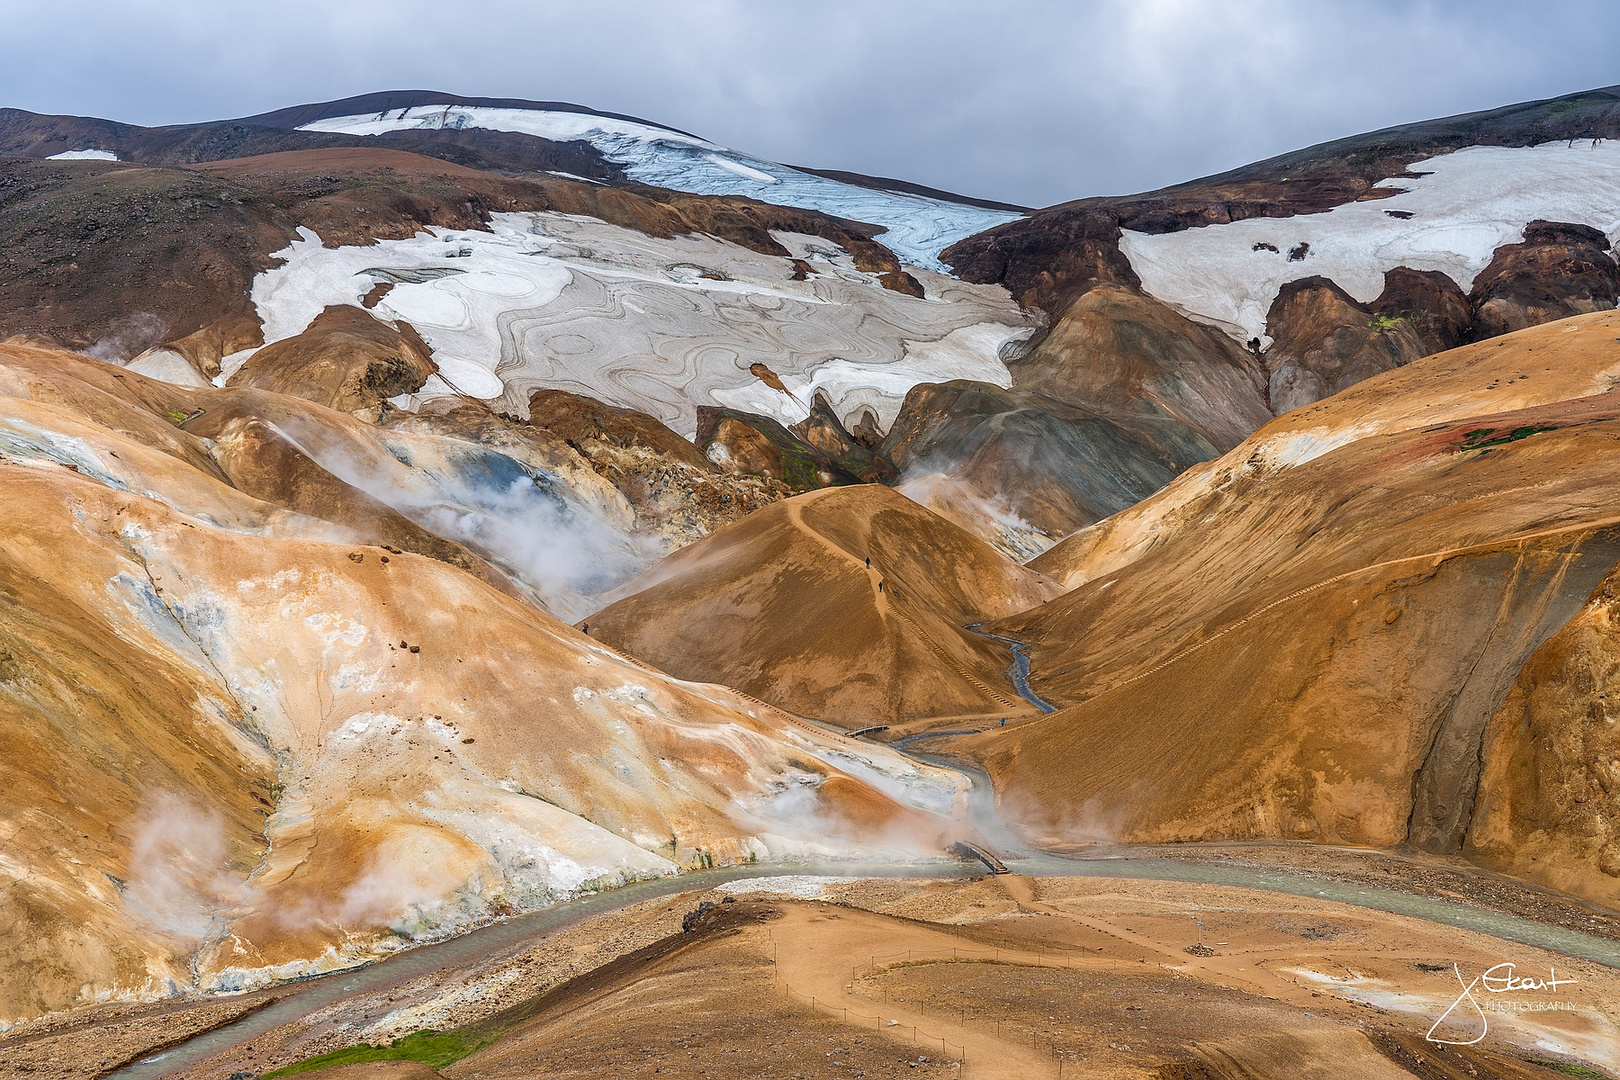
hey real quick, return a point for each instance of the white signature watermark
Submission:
(1501, 979)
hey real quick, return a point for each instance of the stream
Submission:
(1019, 672)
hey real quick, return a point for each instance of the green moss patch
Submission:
(434, 1049)
(1480, 438)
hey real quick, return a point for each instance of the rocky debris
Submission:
(675, 493)
(1559, 270)
(347, 360)
(1324, 341)
(118, 258)
(691, 920)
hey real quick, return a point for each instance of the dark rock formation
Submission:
(1430, 303)
(1558, 271)
(1048, 259)
(823, 431)
(1058, 466)
(748, 444)
(1324, 341)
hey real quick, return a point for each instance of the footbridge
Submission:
(968, 850)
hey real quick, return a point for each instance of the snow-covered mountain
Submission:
(916, 227)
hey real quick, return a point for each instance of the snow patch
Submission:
(1470, 203)
(1298, 447)
(659, 325)
(84, 155)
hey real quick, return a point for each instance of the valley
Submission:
(492, 588)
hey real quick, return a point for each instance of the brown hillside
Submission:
(243, 743)
(1308, 638)
(783, 605)
(345, 360)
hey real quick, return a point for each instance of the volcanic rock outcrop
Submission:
(1559, 270)
(345, 360)
(816, 452)
(1323, 341)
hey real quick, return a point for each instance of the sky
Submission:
(1028, 102)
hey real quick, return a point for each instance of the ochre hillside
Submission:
(848, 605)
(244, 742)
(1351, 628)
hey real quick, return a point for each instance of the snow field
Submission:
(663, 326)
(1470, 203)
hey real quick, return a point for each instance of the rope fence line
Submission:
(918, 1036)
(1036, 958)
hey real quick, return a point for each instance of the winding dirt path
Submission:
(880, 599)
(820, 954)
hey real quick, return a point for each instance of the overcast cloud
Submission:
(1024, 101)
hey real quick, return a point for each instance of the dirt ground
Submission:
(994, 977)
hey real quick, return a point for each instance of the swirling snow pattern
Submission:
(660, 325)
